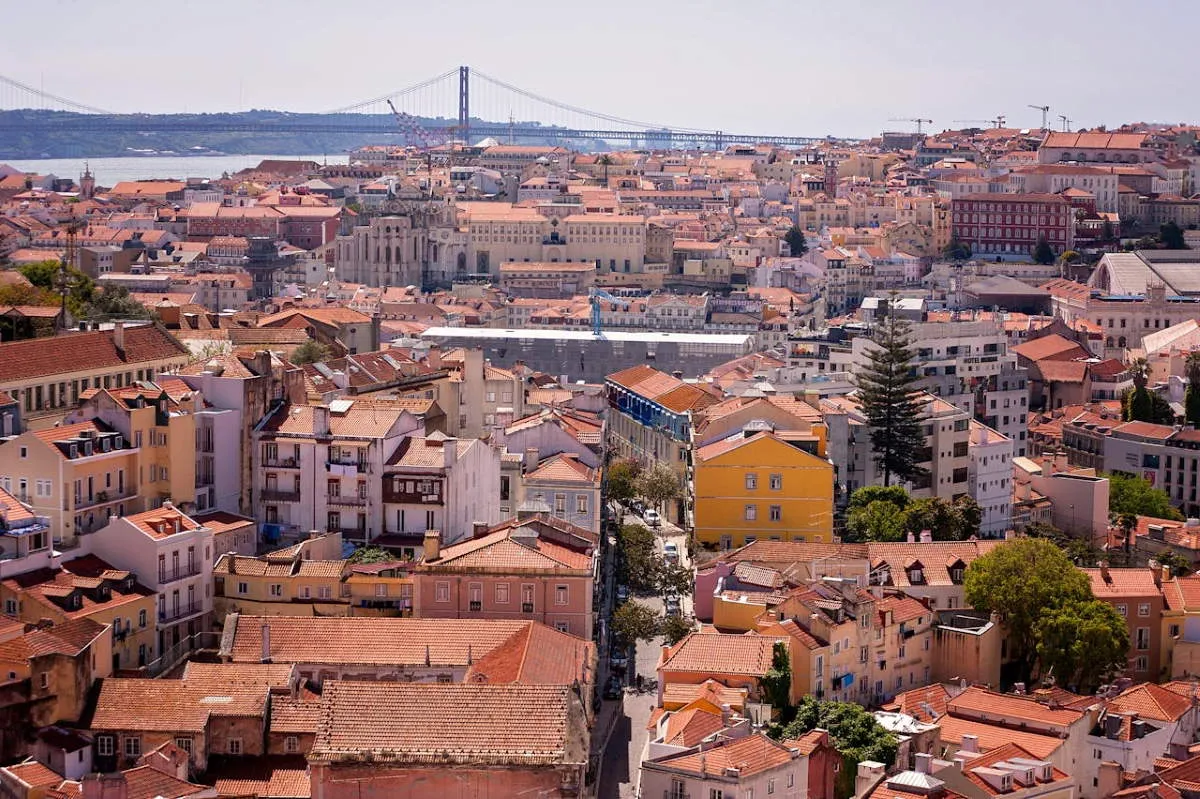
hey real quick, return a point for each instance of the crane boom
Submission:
(595, 295)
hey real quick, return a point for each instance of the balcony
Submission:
(99, 498)
(179, 612)
(171, 575)
(281, 463)
(349, 533)
(475, 606)
(346, 468)
(275, 495)
(527, 607)
(352, 501)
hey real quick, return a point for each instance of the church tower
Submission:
(87, 184)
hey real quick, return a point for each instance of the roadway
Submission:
(623, 754)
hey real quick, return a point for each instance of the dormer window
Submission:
(73, 452)
(916, 575)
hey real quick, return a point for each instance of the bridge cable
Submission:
(48, 96)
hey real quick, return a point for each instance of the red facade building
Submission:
(1011, 224)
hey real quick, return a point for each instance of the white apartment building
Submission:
(171, 554)
(318, 467)
(989, 478)
(440, 483)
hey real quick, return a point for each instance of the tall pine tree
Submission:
(891, 401)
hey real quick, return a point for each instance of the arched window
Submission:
(1109, 342)
(1121, 342)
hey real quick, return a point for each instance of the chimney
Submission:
(923, 763)
(727, 715)
(1112, 726)
(262, 363)
(970, 744)
(479, 529)
(911, 538)
(926, 537)
(321, 420)
(870, 773)
(531, 459)
(119, 337)
(266, 642)
(449, 452)
(433, 545)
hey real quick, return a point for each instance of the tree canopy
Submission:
(853, 731)
(776, 684)
(659, 484)
(1043, 253)
(796, 241)
(634, 621)
(876, 513)
(623, 480)
(1081, 642)
(1022, 581)
(641, 568)
(1171, 236)
(674, 629)
(892, 403)
(1135, 496)
(311, 351)
(957, 250)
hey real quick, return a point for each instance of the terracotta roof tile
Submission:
(751, 755)
(35, 775)
(990, 736)
(679, 695)
(147, 782)
(719, 653)
(493, 725)
(924, 704)
(294, 715)
(1151, 701)
(86, 352)
(976, 702)
(564, 467)
(501, 551)
(1008, 752)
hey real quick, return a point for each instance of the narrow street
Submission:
(623, 755)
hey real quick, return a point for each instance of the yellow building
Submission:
(89, 588)
(304, 579)
(767, 485)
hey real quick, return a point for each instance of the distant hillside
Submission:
(59, 134)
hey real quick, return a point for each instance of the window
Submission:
(44, 678)
(141, 618)
(185, 744)
(291, 744)
(716, 793)
(325, 592)
(1142, 663)
(777, 482)
(235, 746)
(441, 591)
(560, 594)
(770, 786)
(751, 481)
(105, 745)
(243, 588)
(1122, 610)
(381, 590)
(1173, 630)
(10, 607)
(776, 513)
(562, 626)
(133, 746)
(1143, 637)
(1144, 609)
(791, 780)
(276, 589)
(560, 503)
(751, 512)
(502, 593)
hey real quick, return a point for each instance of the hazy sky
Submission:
(773, 67)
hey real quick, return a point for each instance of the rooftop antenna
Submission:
(1045, 109)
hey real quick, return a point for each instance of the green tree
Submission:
(42, 274)
(372, 555)
(1172, 236)
(1191, 395)
(1078, 551)
(1069, 257)
(623, 480)
(946, 520)
(605, 161)
(674, 629)
(1043, 253)
(853, 731)
(659, 484)
(115, 302)
(1135, 496)
(675, 580)
(796, 241)
(776, 684)
(1021, 581)
(957, 250)
(890, 400)
(641, 567)
(1081, 642)
(879, 521)
(634, 622)
(311, 351)
(1177, 564)
(868, 494)
(46, 275)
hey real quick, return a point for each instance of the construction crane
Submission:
(998, 122)
(595, 295)
(918, 120)
(63, 281)
(1045, 109)
(1066, 122)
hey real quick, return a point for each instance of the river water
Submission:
(110, 171)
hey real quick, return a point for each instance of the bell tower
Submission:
(87, 183)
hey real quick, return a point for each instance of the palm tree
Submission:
(605, 161)
(1139, 370)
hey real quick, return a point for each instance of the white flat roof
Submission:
(731, 339)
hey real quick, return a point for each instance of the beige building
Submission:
(48, 376)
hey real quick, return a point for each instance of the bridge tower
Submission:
(464, 103)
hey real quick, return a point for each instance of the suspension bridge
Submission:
(461, 104)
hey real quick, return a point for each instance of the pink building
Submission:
(509, 572)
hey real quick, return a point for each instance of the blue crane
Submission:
(596, 295)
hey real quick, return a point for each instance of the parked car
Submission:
(619, 659)
(622, 593)
(652, 518)
(613, 687)
(672, 605)
(671, 552)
